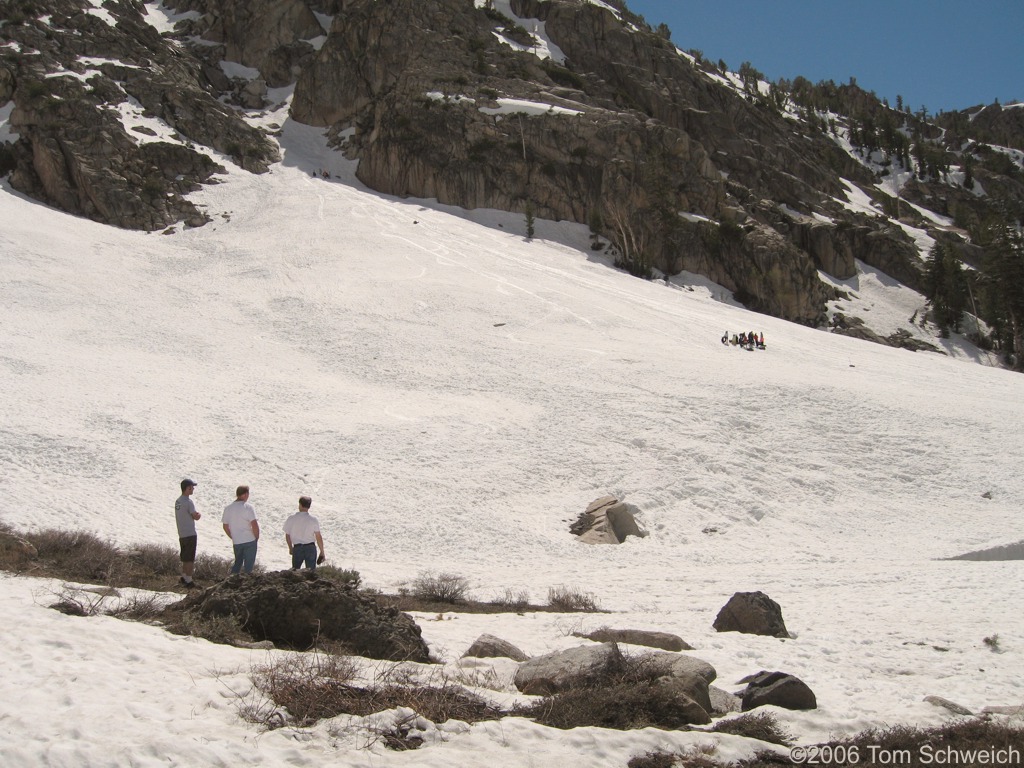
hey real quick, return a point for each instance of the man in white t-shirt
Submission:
(302, 533)
(241, 526)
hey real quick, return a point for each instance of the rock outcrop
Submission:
(606, 521)
(488, 647)
(109, 114)
(753, 613)
(778, 689)
(666, 641)
(558, 671)
(298, 608)
(674, 164)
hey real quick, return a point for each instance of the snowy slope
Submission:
(452, 396)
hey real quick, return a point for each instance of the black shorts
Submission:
(188, 548)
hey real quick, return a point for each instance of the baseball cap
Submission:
(186, 483)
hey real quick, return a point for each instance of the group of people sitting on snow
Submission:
(745, 340)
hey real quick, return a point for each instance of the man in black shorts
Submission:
(185, 515)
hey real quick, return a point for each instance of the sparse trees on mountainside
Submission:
(750, 77)
(1003, 288)
(945, 288)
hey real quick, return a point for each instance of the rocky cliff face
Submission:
(626, 133)
(73, 74)
(562, 109)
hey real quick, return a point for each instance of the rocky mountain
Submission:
(560, 109)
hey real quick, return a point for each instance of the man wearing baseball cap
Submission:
(185, 515)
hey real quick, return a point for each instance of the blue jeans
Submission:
(245, 557)
(304, 554)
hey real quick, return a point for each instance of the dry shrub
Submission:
(157, 560)
(216, 568)
(697, 756)
(85, 557)
(16, 553)
(348, 576)
(217, 629)
(164, 561)
(319, 686)
(513, 600)
(959, 736)
(572, 599)
(625, 694)
(756, 725)
(440, 587)
(77, 555)
(623, 706)
(139, 606)
(905, 745)
(307, 686)
(655, 759)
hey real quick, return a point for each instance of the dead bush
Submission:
(927, 746)
(340, 575)
(513, 600)
(217, 629)
(17, 554)
(306, 685)
(440, 587)
(572, 600)
(85, 557)
(623, 706)
(756, 725)
(319, 686)
(139, 606)
(627, 693)
(656, 759)
(157, 560)
(77, 555)
(697, 756)
(909, 746)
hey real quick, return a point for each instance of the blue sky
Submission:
(940, 54)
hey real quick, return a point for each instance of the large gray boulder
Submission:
(490, 647)
(561, 670)
(753, 613)
(298, 608)
(663, 640)
(606, 521)
(686, 674)
(679, 664)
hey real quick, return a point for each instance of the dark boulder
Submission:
(298, 608)
(753, 613)
(777, 688)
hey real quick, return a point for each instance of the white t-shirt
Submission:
(302, 527)
(237, 517)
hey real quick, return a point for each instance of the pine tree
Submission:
(945, 288)
(1004, 281)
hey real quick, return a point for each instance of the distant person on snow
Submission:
(302, 534)
(241, 526)
(725, 338)
(185, 515)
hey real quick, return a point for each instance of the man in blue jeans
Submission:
(241, 526)
(302, 534)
